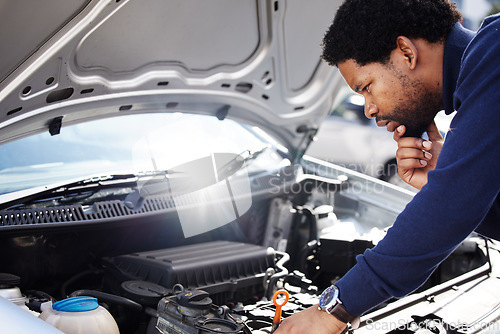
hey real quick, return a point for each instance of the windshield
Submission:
(125, 144)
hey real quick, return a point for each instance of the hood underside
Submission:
(251, 60)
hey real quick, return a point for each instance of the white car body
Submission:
(152, 158)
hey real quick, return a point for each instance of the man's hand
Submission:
(416, 156)
(311, 320)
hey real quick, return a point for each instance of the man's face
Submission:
(392, 97)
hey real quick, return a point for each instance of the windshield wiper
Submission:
(141, 184)
(238, 162)
(88, 185)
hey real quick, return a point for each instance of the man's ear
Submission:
(408, 50)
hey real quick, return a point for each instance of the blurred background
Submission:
(475, 10)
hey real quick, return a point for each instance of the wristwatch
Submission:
(329, 301)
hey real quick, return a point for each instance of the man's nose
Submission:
(371, 110)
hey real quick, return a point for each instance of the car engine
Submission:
(213, 287)
(138, 271)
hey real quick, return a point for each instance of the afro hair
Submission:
(366, 30)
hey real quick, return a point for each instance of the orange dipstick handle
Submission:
(277, 314)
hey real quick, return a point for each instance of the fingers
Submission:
(433, 132)
(416, 156)
(399, 132)
(407, 153)
(416, 143)
(412, 158)
(412, 152)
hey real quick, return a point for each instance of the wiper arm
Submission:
(235, 164)
(152, 185)
(91, 184)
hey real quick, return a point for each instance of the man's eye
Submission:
(367, 88)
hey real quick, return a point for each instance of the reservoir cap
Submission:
(76, 304)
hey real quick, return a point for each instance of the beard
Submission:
(416, 107)
(417, 113)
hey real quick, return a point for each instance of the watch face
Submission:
(328, 297)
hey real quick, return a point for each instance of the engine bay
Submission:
(148, 278)
(211, 287)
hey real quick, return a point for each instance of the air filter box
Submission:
(226, 270)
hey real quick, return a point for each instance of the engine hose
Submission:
(64, 286)
(313, 221)
(106, 297)
(282, 273)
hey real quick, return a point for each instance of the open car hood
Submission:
(257, 61)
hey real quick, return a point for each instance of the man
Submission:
(411, 59)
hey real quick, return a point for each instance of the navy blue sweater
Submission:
(462, 193)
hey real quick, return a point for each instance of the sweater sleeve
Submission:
(458, 195)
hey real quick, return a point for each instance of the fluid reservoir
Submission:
(10, 291)
(79, 315)
(325, 217)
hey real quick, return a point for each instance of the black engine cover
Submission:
(227, 270)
